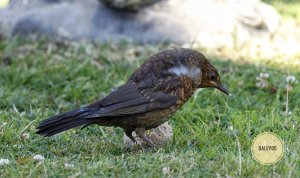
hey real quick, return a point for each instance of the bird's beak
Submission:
(223, 89)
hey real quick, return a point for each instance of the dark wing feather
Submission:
(130, 110)
(124, 93)
(128, 100)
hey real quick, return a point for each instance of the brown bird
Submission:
(152, 94)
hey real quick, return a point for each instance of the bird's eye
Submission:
(213, 77)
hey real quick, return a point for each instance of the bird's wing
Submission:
(130, 100)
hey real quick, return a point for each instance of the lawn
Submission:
(212, 132)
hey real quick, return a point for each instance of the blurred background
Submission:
(250, 26)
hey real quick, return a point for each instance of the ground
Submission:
(212, 132)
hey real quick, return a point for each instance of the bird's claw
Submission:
(141, 133)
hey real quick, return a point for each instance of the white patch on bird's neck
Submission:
(192, 72)
(179, 70)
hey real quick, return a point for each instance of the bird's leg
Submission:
(128, 133)
(141, 133)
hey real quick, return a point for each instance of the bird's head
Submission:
(194, 65)
(211, 79)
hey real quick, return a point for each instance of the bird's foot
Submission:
(129, 135)
(141, 133)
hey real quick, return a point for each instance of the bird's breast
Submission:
(186, 90)
(155, 118)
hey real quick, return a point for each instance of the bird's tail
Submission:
(64, 121)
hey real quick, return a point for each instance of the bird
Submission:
(150, 97)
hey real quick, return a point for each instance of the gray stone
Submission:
(212, 24)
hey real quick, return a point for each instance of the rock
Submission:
(212, 24)
(257, 15)
(159, 136)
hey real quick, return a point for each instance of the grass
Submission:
(40, 79)
(288, 9)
